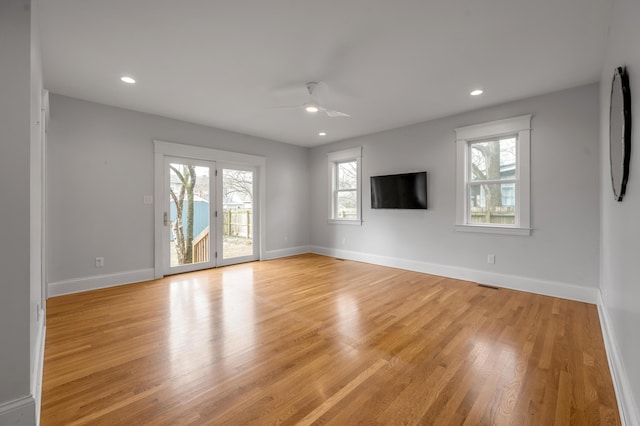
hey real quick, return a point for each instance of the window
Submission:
(344, 183)
(492, 191)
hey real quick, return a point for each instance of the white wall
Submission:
(100, 165)
(620, 222)
(17, 326)
(560, 257)
(14, 193)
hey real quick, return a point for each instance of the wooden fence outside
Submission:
(493, 217)
(238, 223)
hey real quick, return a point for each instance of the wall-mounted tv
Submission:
(402, 191)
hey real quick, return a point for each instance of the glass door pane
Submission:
(238, 219)
(188, 215)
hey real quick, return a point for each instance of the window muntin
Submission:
(344, 184)
(492, 183)
(346, 193)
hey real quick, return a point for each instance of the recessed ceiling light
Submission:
(476, 92)
(127, 80)
(322, 134)
(311, 108)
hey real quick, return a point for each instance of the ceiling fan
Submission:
(312, 106)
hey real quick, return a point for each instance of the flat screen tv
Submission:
(403, 191)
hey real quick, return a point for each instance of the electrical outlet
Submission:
(99, 262)
(491, 259)
(148, 199)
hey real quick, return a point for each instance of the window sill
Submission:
(357, 222)
(504, 230)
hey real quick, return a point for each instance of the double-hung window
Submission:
(493, 177)
(344, 182)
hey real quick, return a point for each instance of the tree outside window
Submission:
(183, 184)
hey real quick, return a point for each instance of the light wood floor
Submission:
(315, 340)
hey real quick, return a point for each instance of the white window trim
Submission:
(520, 126)
(339, 157)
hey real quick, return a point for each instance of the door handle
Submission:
(166, 218)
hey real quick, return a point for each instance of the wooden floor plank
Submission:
(314, 340)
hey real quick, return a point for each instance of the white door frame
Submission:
(162, 149)
(43, 199)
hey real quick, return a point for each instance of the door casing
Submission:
(164, 149)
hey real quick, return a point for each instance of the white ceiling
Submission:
(388, 63)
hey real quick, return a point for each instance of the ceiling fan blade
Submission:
(332, 113)
(284, 106)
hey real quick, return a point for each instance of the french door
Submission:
(209, 217)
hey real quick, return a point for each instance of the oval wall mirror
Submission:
(620, 131)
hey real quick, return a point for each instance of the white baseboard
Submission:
(626, 406)
(26, 410)
(99, 281)
(514, 282)
(19, 412)
(289, 251)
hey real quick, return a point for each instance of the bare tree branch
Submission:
(183, 243)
